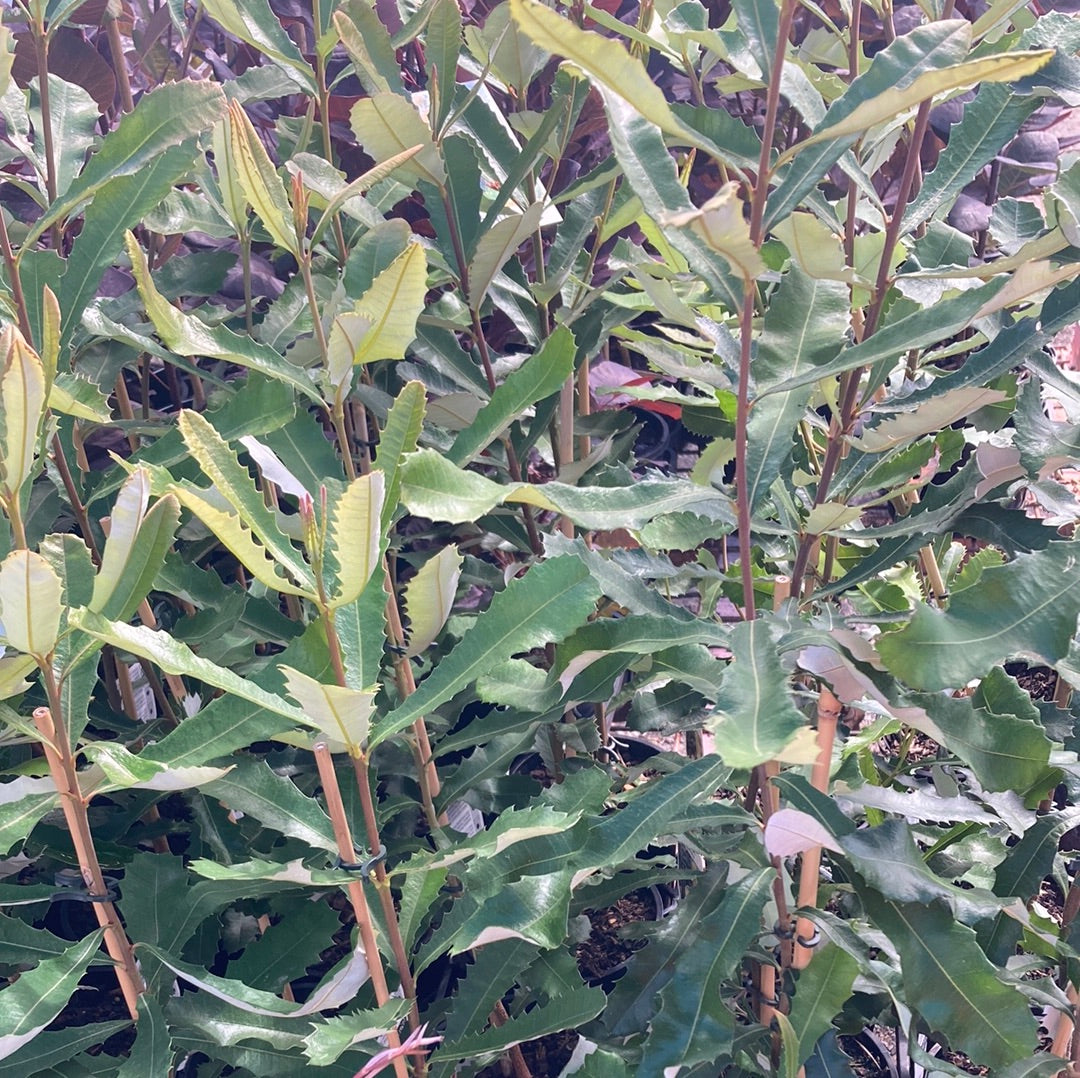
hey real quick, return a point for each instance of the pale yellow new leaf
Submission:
(354, 537)
(383, 322)
(13, 671)
(342, 716)
(128, 514)
(721, 224)
(260, 181)
(606, 61)
(228, 175)
(496, 246)
(888, 105)
(238, 539)
(387, 125)
(22, 405)
(429, 597)
(50, 334)
(30, 603)
(813, 246)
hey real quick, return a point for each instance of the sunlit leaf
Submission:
(30, 603)
(354, 537)
(22, 406)
(341, 715)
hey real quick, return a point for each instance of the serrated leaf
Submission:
(496, 246)
(36, 997)
(620, 837)
(23, 394)
(692, 924)
(30, 603)
(693, 1024)
(988, 124)
(534, 908)
(163, 118)
(399, 437)
(335, 1036)
(341, 715)
(175, 657)
(1028, 607)
(259, 180)
(186, 335)
(232, 481)
(537, 378)
(387, 124)
(954, 987)
(722, 226)
(237, 538)
(820, 994)
(1007, 67)
(435, 488)
(910, 69)
(75, 396)
(805, 325)
(382, 325)
(429, 596)
(285, 949)
(354, 538)
(257, 24)
(23, 801)
(649, 168)
(550, 601)
(135, 548)
(56, 1047)
(606, 62)
(338, 988)
(567, 1012)
(276, 802)
(121, 204)
(152, 1052)
(755, 718)
(888, 859)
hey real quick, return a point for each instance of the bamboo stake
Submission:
(62, 766)
(828, 712)
(770, 803)
(336, 810)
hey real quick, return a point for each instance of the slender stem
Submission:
(245, 268)
(343, 836)
(428, 773)
(189, 41)
(11, 264)
(116, 49)
(41, 44)
(768, 132)
(57, 748)
(77, 507)
(371, 827)
(742, 418)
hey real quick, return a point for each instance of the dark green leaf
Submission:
(693, 1024)
(543, 606)
(1028, 607)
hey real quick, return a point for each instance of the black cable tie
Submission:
(361, 868)
(783, 933)
(348, 866)
(73, 888)
(810, 943)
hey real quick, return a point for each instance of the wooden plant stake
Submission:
(828, 712)
(770, 803)
(62, 767)
(336, 810)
